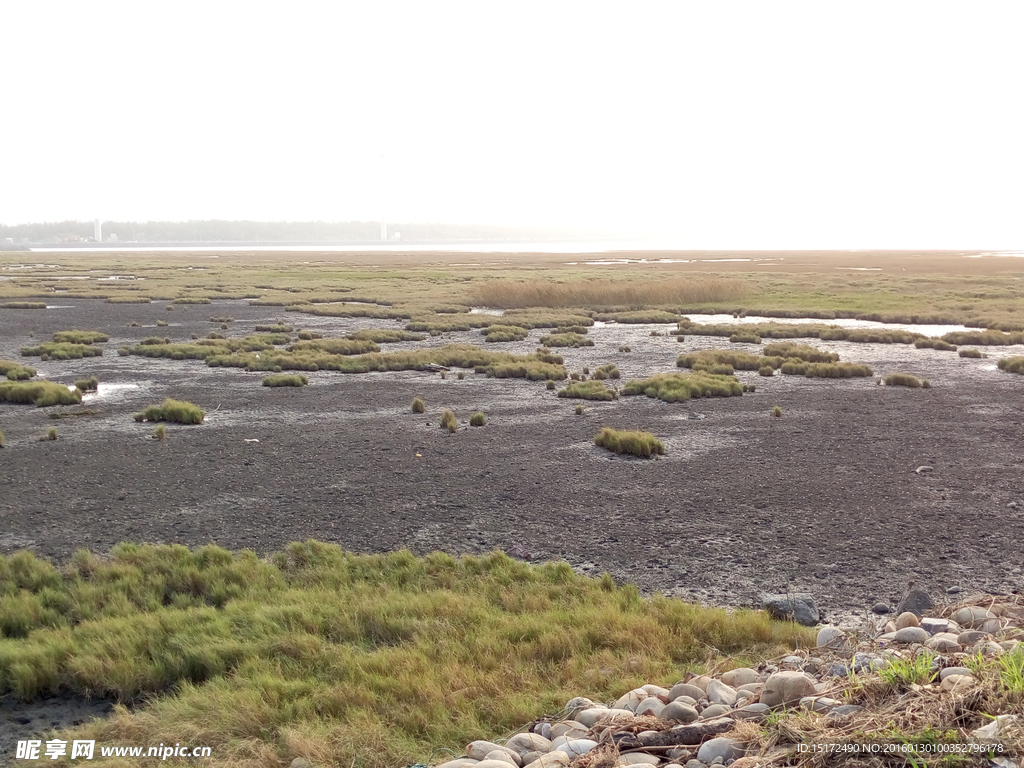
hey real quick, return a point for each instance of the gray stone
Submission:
(577, 747)
(694, 764)
(954, 671)
(954, 589)
(715, 710)
(740, 677)
(721, 748)
(492, 764)
(881, 608)
(972, 617)
(655, 690)
(631, 700)
(821, 704)
(792, 662)
(554, 759)
(502, 757)
(917, 601)
(720, 693)
(787, 688)
(478, 750)
(571, 728)
(934, 626)
(907, 619)
(651, 704)
(528, 742)
(683, 713)
(992, 626)
(543, 729)
(836, 669)
(755, 711)
(944, 643)
(686, 689)
(911, 635)
(957, 681)
(796, 606)
(970, 636)
(831, 637)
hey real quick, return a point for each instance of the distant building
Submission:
(111, 238)
(97, 231)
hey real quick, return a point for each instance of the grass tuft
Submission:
(579, 410)
(478, 419)
(629, 294)
(744, 337)
(939, 344)
(448, 421)
(1011, 364)
(15, 371)
(52, 350)
(777, 412)
(285, 380)
(803, 352)
(676, 387)
(23, 305)
(972, 353)
(566, 340)
(901, 380)
(160, 433)
(275, 328)
(88, 385)
(765, 370)
(178, 411)
(609, 371)
(51, 434)
(40, 393)
(129, 300)
(589, 390)
(80, 337)
(642, 444)
(418, 405)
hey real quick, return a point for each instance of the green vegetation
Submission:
(275, 328)
(128, 300)
(765, 370)
(499, 333)
(794, 367)
(638, 316)
(418, 405)
(744, 337)
(972, 353)
(23, 305)
(777, 412)
(566, 340)
(642, 444)
(939, 344)
(804, 352)
(177, 411)
(15, 371)
(379, 335)
(210, 335)
(192, 300)
(1011, 364)
(160, 432)
(88, 385)
(801, 331)
(40, 393)
(123, 352)
(902, 672)
(51, 434)
(161, 324)
(285, 380)
(901, 380)
(61, 351)
(448, 420)
(707, 359)
(984, 338)
(478, 419)
(80, 337)
(376, 659)
(628, 294)
(349, 310)
(550, 384)
(676, 387)
(609, 371)
(335, 346)
(579, 410)
(588, 390)
(73, 414)
(1, 439)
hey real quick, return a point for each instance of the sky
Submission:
(734, 124)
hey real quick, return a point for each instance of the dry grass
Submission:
(418, 406)
(1011, 364)
(478, 419)
(800, 351)
(566, 340)
(642, 444)
(597, 293)
(589, 390)
(449, 420)
(178, 411)
(901, 380)
(678, 387)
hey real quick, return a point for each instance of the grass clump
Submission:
(609, 371)
(500, 333)
(804, 352)
(39, 393)
(275, 328)
(939, 344)
(161, 323)
(222, 319)
(15, 371)
(579, 410)
(382, 335)
(744, 338)
(1, 439)
(642, 444)
(901, 380)
(160, 433)
(629, 294)
(677, 387)
(129, 300)
(708, 359)
(50, 434)
(177, 411)
(987, 338)
(23, 305)
(550, 384)
(478, 419)
(588, 390)
(335, 346)
(88, 385)
(625, 348)
(795, 367)
(566, 340)
(449, 421)
(52, 350)
(765, 370)
(1011, 364)
(638, 316)
(418, 406)
(123, 352)
(972, 353)
(192, 300)
(80, 337)
(777, 412)
(285, 380)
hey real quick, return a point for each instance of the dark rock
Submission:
(881, 609)
(796, 606)
(916, 601)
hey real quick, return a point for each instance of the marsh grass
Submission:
(177, 411)
(599, 293)
(88, 385)
(550, 384)
(801, 331)
(744, 338)
(367, 660)
(80, 337)
(351, 310)
(901, 380)
(23, 305)
(984, 338)
(62, 351)
(1, 439)
(500, 333)
(566, 340)
(274, 328)
(795, 367)
(380, 335)
(642, 444)
(285, 380)
(800, 351)
(222, 320)
(777, 412)
(589, 390)
(360, 346)
(939, 344)
(971, 353)
(39, 393)
(765, 370)
(160, 432)
(708, 359)
(677, 387)
(638, 316)
(449, 421)
(50, 434)
(129, 300)
(161, 323)
(15, 371)
(579, 410)
(478, 419)
(1011, 364)
(608, 371)
(192, 300)
(418, 406)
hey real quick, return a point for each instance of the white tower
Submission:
(383, 230)
(97, 231)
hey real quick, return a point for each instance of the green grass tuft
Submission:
(129, 300)
(88, 385)
(61, 351)
(160, 433)
(177, 411)
(51, 434)
(23, 305)
(15, 371)
(609, 371)
(796, 367)
(579, 410)
(502, 333)
(708, 359)
(803, 352)
(638, 316)
(642, 444)
(566, 340)
(676, 387)
(901, 380)
(192, 300)
(744, 337)
(40, 393)
(478, 419)
(588, 390)
(448, 421)
(939, 344)
(275, 328)
(285, 380)
(80, 337)
(972, 353)
(777, 412)
(418, 405)
(765, 370)
(1011, 364)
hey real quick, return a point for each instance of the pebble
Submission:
(911, 635)
(957, 681)
(478, 750)
(740, 677)
(832, 637)
(907, 619)
(577, 747)
(787, 688)
(970, 636)
(715, 710)
(944, 643)
(683, 713)
(917, 601)
(528, 742)
(650, 705)
(755, 711)
(685, 689)
(881, 608)
(972, 617)
(720, 693)
(724, 748)
(954, 671)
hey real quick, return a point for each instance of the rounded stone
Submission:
(972, 617)
(755, 711)
(528, 742)
(944, 644)
(722, 748)
(492, 764)
(578, 747)
(737, 678)
(554, 759)
(569, 728)
(948, 671)
(787, 688)
(301, 762)
(478, 750)
(832, 637)
(686, 689)
(991, 626)
(638, 758)
(715, 710)
(881, 609)
(907, 619)
(953, 682)
(720, 693)
(682, 713)
(911, 635)
(501, 756)
(650, 704)
(970, 636)
(655, 690)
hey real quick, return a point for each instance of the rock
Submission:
(954, 671)
(917, 601)
(637, 758)
(651, 704)
(888, 637)
(944, 643)
(570, 728)
(478, 750)
(577, 747)
(685, 689)
(845, 710)
(528, 742)
(754, 688)
(529, 757)
(543, 729)
(683, 713)
(740, 677)
(551, 760)
(720, 693)
(577, 705)
(461, 762)
(988, 649)
(832, 637)
(969, 637)
(792, 662)
(492, 764)
(890, 627)
(715, 710)
(502, 757)
(881, 609)
(907, 619)
(689, 700)
(787, 688)
(694, 764)
(996, 729)
(680, 753)
(911, 635)
(700, 681)
(992, 626)
(655, 690)
(954, 589)
(972, 617)
(755, 711)
(631, 700)
(836, 669)
(867, 662)
(924, 469)
(695, 733)
(822, 704)
(720, 748)
(301, 762)
(934, 626)
(952, 682)
(797, 606)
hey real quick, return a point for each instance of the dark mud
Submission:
(823, 500)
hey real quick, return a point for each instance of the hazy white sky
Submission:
(718, 124)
